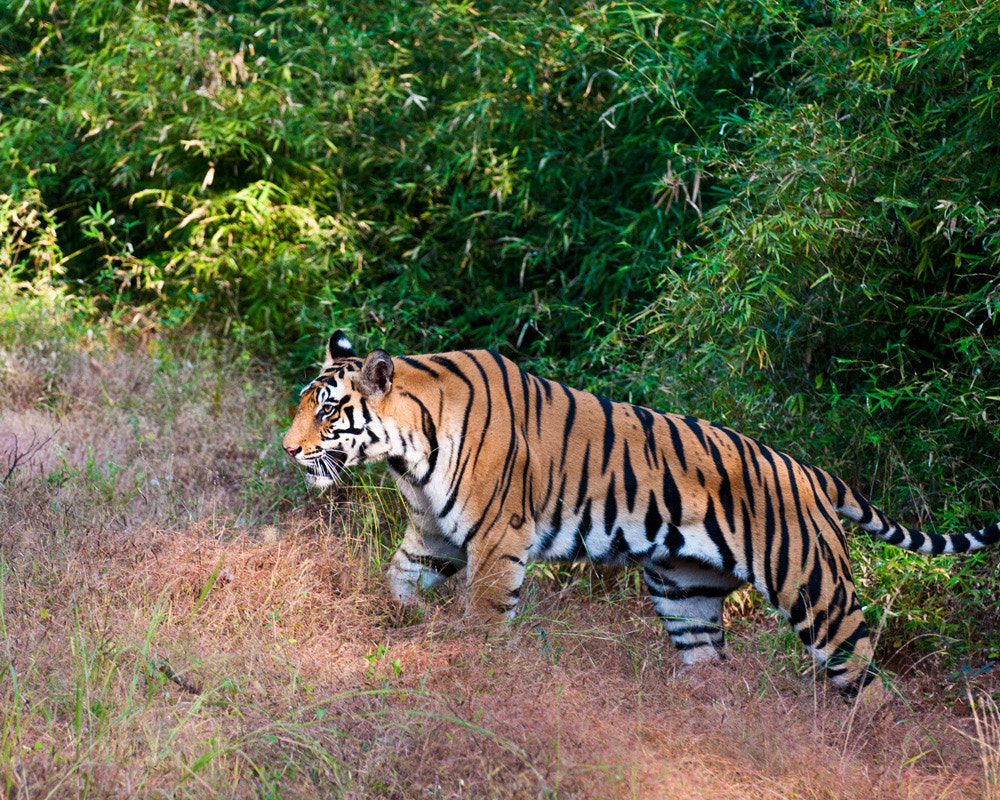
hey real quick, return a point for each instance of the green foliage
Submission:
(781, 214)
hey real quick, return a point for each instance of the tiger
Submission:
(499, 467)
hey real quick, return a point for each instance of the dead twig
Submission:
(15, 457)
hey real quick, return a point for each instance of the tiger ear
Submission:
(337, 346)
(376, 375)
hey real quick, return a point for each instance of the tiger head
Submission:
(337, 423)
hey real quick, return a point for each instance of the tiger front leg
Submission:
(496, 572)
(424, 559)
(688, 597)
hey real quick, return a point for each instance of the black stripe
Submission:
(718, 538)
(896, 537)
(653, 519)
(528, 490)
(538, 406)
(694, 630)
(846, 649)
(453, 495)
(546, 387)
(525, 400)
(837, 612)
(609, 431)
(809, 594)
(748, 542)
(866, 509)
(725, 491)
(671, 494)
(737, 441)
(645, 418)
(579, 547)
(769, 529)
(674, 540)
(581, 490)
(752, 446)
(629, 481)
(820, 478)
(688, 592)
(442, 566)
(553, 532)
(841, 488)
(814, 476)
(474, 528)
(826, 554)
(548, 488)
(618, 544)
(690, 645)
(506, 473)
(365, 413)
(778, 570)
(695, 425)
(675, 437)
(794, 486)
(570, 417)
(397, 464)
(489, 406)
(430, 432)
(456, 480)
(418, 365)
(610, 507)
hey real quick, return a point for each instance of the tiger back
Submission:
(500, 467)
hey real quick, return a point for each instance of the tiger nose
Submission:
(292, 451)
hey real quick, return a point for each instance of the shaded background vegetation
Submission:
(781, 215)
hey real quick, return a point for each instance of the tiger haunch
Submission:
(500, 467)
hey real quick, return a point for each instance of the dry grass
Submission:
(223, 634)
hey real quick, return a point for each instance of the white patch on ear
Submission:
(337, 346)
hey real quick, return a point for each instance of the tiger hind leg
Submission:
(827, 616)
(836, 635)
(688, 596)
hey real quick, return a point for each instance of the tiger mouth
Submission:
(324, 470)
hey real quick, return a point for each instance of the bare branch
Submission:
(16, 457)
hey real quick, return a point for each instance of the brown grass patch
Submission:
(220, 635)
(302, 670)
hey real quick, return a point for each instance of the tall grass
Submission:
(987, 718)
